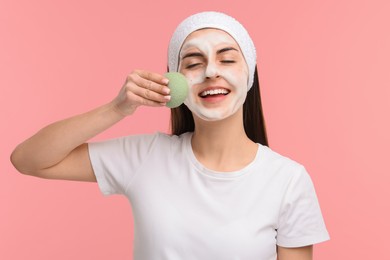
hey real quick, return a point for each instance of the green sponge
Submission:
(179, 88)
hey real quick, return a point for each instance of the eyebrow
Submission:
(226, 49)
(198, 54)
(192, 54)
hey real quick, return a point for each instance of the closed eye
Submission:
(190, 66)
(228, 61)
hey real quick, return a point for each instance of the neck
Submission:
(223, 145)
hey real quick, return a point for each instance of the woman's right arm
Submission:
(60, 151)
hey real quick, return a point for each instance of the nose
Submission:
(211, 71)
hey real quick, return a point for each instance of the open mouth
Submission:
(214, 93)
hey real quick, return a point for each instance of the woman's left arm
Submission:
(295, 253)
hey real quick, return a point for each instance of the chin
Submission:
(215, 116)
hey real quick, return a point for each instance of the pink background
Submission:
(324, 73)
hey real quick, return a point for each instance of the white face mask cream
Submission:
(216, 72)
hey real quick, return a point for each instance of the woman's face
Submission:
(216, 72)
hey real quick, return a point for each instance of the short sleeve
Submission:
(300, 221)
(115, 162)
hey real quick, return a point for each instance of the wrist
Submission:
(119, 111)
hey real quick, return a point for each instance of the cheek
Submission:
(194, 78)
(237, 78)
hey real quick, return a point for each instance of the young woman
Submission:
(210, 190)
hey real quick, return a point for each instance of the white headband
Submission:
(218, 21)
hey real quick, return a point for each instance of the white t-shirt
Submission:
(183, 210)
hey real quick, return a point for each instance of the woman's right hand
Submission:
(60, 151)
(142, 88)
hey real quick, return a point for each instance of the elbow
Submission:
(24, 164)
(17, 159)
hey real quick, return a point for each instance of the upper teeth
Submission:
(213, 92)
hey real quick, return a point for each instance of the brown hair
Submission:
(182, 120)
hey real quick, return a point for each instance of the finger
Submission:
(155, 97)
(148, 102)
(155, 77)
(151, 85)
(149, 94)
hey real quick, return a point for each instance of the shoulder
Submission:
(172, 140)
(158, 142)
(293, 178)
(283, 171)
(274, 160)
(157, 137)
(140, 144)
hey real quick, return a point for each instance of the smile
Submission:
(213, 92)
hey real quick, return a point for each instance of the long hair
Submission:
(182, 120)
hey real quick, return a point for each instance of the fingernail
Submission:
(165, 81)
(167, 97)
(166, 90)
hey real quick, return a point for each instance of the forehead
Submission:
(208, 36)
